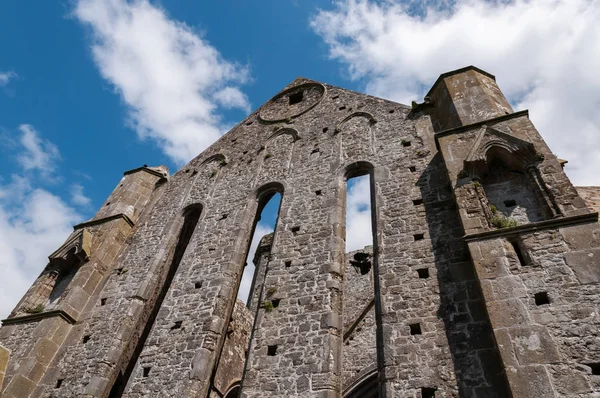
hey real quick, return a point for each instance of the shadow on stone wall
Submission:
(477, 362)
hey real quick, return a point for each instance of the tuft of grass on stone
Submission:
(271, 291)
(268, 306)
(501, 221)
(36, 310)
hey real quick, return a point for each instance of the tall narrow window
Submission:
(361, 297)
(358, 213)
(264, 225)
(190, 219)
(251, 291)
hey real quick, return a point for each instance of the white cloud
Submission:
(5, 77)
(33, 221)
(542, 52)
(358, 214)
(39, 154)
(172, 80)
(260, 231)
(78, 197)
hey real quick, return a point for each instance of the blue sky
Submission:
(91, 88)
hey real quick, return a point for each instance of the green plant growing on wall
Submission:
(271, 291)
(493, 209)
(422, 153)
(36, 310)
(501, 221)
(268, 306)
(213, 173)
(476, 184)
(268, 155)
(223, 163)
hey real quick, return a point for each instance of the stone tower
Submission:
(483, 279)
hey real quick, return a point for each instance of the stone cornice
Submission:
(103, 220)
(36, 317)
(532, 227)
(459, 129)
(146, 169)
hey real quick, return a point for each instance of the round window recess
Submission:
(292, 103)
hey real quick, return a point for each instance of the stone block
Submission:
(534, 345)
(507, 313)
(529, 382)
(585, 264)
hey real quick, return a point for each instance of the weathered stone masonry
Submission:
(483, 279)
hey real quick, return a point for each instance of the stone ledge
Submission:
(146, 169)
(103, 220)
(37, 317)
(456, 130)
(532, 227)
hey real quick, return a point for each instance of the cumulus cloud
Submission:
(542, 53)
(171, 79)
(244, 290)
(38, 154)
(78, 197)
(358, 214)
(33, 221)
(5, 77)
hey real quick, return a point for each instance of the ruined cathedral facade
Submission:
(483, 279)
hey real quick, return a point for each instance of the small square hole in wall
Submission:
(325, 129)
(405, 143)
(275, 302)
(197, 285)
(391, 111)
(318, 192)
(177, 325)
(146, 371)
(542, 298)
(296, 97)
(103, 301)
(510, 203)
(417, 202)
(412, 169)
(223, 217)
(316, 150)
(271, 350)
(295, 230)
(85, 339)
(335, 97)
(595, 368)
(288, 264)
(59, 383)
(415, 328)
(423, 273)
(341, 108)
(418, 237)
(428, 392)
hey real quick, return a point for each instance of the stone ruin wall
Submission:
(455, 308)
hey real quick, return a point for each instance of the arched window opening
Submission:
(368, 388)
(361, 303)
(260, 247)
(234, 392)
(251, 294)
(510, 190)
(191, 215)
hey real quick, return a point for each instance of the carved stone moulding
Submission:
(291, 103)
(79, 244)
(517, 154)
